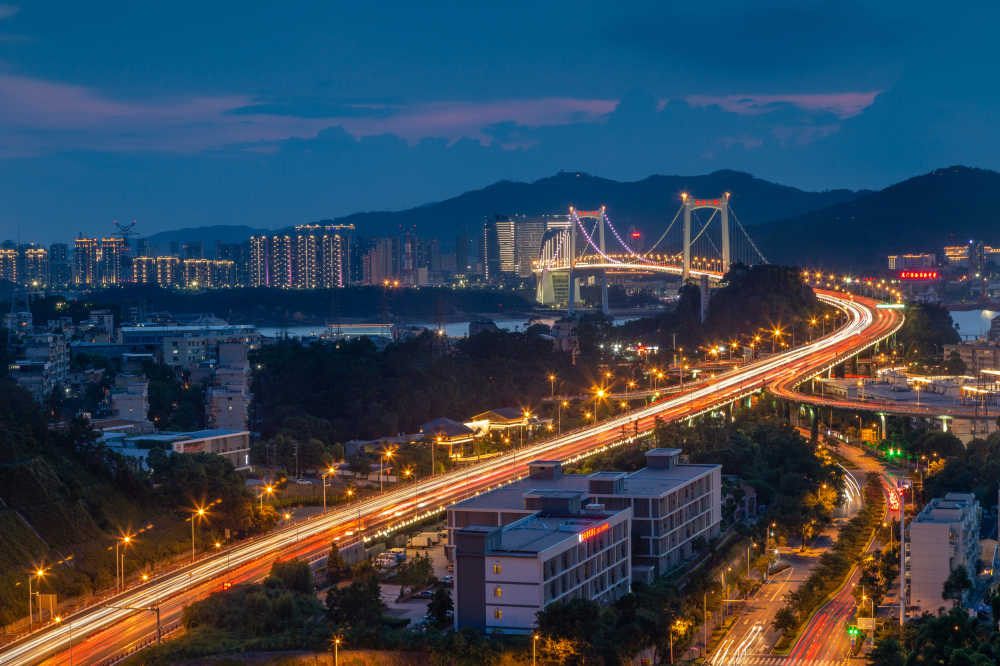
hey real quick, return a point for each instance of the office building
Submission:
(899, 262)
(943, 537)
(957, 255)
(505, 575)
(672, 503)
(977, 356)
(506, 248)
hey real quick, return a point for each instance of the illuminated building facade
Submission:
(168, 271)
(36, 267)
(85, 255)
(282, 264)
(144, 270)
(561, 551)
(8, 265)
(110, 261)
(259, 274)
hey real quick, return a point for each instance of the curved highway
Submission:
(101, 633)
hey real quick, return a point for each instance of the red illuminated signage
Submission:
(593, 531)
(918, 275)
(635, 234)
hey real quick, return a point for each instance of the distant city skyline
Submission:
(135, 112)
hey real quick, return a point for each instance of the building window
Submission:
(497, 591)
(497, 614)
(496, 568)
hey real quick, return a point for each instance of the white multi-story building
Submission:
(229, 396)
(943, 537)
(505, 575)
(672, 503)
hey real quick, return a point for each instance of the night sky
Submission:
(269, 114)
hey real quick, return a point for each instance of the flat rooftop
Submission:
(654, 481)
(535, 533)
(511, 496)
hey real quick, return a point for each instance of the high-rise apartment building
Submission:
(144, 270)
(282, 263)
(60, 271)
(9, 265)
(239, 254)
(259, 264)
(306, 273)
(378, 262)
(208, 273)
(489, 250)
(111, 260)
(168, 271)
(36, 267)
(506, 246)
(85, 256)
(335, 253)
(528, 241)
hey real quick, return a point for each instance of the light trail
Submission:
(865, 327)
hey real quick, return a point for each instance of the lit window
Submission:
(497, 591)
(497, 614)
(496, 568)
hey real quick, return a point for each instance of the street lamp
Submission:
(563, 403)
(552, 385)
(124, 542)
(336, 651)
(386, 455)
(534, 641)
(268, 490)
(329, 472)
(40, 572)
(197, 514)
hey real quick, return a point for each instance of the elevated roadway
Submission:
(100, 633)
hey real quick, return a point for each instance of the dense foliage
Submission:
(974, 468)
(954, 638)
(928, 327)
(337, 392)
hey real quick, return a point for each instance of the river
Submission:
(973, 323)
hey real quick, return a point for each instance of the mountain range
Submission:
(835, 228)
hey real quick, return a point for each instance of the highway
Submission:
(99, 633)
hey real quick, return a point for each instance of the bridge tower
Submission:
(722, 206)
(575, 215)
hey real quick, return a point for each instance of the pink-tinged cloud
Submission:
(39, 116)
(455, 120)
(844, 105)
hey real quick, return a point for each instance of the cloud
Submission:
(6, 11)
(843, 105)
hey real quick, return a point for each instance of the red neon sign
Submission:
(635, 234)
(593, 531)
(918, 275)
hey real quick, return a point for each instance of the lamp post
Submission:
(597, 398)
(268, 490)
(197, 514)
(534, 641)
(124, 541)
(336, 651)
(386, 455)
(562, 403)
(552, 385)
(39, 573)
(329, 472)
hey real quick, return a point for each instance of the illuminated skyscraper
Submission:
(306, 268)
(335, 255)
(8, 265)
(260, 267)
(36, 267)
(505, 245)
(282, 266)
(528, 234)
(85, 255)
(111, 258)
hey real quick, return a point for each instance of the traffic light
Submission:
(852, 630)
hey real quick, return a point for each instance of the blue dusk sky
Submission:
(268, 114)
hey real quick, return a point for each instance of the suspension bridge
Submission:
(579, 248)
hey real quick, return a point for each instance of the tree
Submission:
(954, 365)
(295, 574)
(356, 606)
(336, 567)
(439, 607)
(887, 652)
(784, 620)
(957, 584)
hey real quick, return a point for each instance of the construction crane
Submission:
(125, 230)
